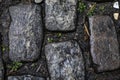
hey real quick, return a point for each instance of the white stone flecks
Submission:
(65, 61)
(116, 5)
(116, 16)
(60, 15)
(25, 32)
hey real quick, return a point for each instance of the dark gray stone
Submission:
(60, 14)
(25, 33)
(5, 18)
(1, 69)
(65, 61)
(104, 44)
(1, 63)
(25, 77)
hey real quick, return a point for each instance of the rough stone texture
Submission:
(25, 33)
(65, 61)
(104, 44)
(25, 77)
(60, 14)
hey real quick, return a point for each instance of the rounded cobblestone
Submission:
(59, 40)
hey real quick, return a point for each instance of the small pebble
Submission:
(116, 16)
(38, 1)
(116, 5)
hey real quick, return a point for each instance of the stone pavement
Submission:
(59, 40)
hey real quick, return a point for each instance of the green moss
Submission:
(91, 10)
(59, 34)
(4, 48)
(15, 66)
(50, 40)
(81, 6)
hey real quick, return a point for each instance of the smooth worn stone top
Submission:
(65, 61)
(104, 44)
(38, 1)
(25, 33)
(25, 77)
(60, 14)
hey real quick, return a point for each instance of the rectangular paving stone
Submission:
(25, 33)
(65, 61)
(104, 44)
(60, 14)
(25, 77)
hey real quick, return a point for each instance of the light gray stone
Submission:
(60, 14)
(104, 44)
(65, 61)
(38, 1)
(25, 33)
(25, 77)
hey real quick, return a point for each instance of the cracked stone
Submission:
(60, 15)
(104, 44)
(25, 33)
(25, 77)
(65, 61)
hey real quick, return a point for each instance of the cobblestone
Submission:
(25, 33)
(59, 40)
(65, 61)
(104, 44)
(60, 14)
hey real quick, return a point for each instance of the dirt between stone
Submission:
(81, 34)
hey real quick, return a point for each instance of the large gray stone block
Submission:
(25, 33)
(104, 44)
(65, 61)
(25, 77)
(60, 15)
